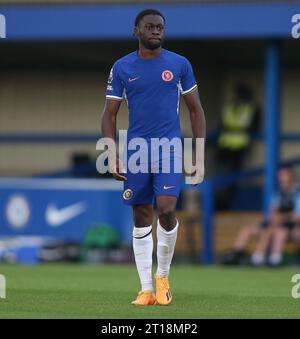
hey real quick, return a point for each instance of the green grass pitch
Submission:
(83, 291)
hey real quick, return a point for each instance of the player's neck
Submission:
(145, 53)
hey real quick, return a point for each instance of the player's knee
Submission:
(167, 218)
(142, 216)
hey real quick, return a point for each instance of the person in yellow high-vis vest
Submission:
(239, 119)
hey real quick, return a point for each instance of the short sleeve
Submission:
(187, 81)
(115, 86)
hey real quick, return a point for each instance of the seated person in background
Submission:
(273, 232)
(285, 215)
(238, 254)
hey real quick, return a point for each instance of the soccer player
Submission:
(151, 80)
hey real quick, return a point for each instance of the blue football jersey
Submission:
(152, 90)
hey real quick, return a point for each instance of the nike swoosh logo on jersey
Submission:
(168, 187)
(133, 79)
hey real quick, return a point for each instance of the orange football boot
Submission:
(163, 292)
(144, 298)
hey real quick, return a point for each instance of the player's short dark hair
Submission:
(145, 12)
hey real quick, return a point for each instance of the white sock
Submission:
(258, 258)
(165, 249)
(275, 258)
(143, 248)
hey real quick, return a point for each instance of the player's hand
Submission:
(118, 170)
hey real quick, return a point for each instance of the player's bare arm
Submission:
(197, 116)
(198, 125)
(108, 129)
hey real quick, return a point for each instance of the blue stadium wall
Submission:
(67, 22)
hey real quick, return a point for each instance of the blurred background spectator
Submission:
(239, 119)
(272, 234)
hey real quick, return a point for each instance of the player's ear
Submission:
(135, 31)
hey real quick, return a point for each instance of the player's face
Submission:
(150, 31)
(285, 178)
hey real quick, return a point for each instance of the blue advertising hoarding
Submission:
(62, 208)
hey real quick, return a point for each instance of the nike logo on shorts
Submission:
(168, 187)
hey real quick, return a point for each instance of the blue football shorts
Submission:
(142, 188)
